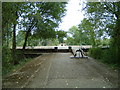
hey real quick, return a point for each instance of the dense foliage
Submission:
(28, 24)
(76, 36)
(105, 17)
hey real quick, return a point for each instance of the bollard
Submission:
(56, 49)
(70, 49)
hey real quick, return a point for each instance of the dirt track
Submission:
(57, 70)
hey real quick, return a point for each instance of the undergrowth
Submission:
(106, 56)
(6, 70)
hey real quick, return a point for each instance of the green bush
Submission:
(6, 59)
(95, 53)
(107, 56)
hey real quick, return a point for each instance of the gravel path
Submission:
(58, 70)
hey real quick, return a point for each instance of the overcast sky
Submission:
(74, 15)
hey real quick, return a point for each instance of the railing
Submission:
(50, 49)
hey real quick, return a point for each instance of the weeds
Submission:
(106, 56)
(7, 65)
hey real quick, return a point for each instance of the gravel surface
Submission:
(58, 70)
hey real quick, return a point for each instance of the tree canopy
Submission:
(24, 22)
(105, 16)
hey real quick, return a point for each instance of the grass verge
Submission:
(106, 56)
(12, 68)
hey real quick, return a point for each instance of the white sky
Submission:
(74, 15)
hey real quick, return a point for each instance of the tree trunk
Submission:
(7, 39)
(117, 41)
(26, 38)
(14, 46)
(15, 61)
(27, 34)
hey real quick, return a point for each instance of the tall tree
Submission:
(61, 35)
(77, 36)
(108, 15)
(10, 16)
(88, 29)
(43, 22)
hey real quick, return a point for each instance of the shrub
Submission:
(95, 53)
(107, 56)
(6, 59)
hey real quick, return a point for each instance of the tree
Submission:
(78, 36)
(37, 20)
(88, 28)
(108, 16)
(44, 21)
(10, 17)
(60, 35)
